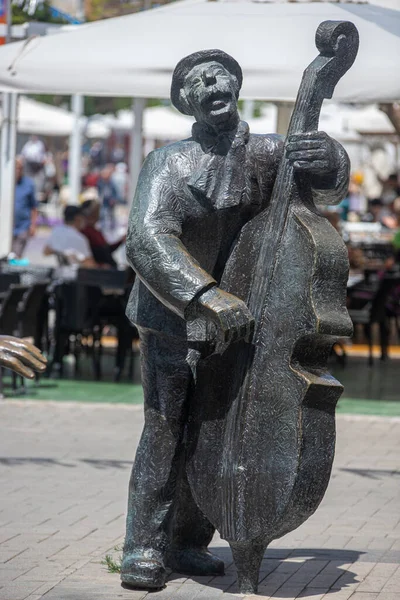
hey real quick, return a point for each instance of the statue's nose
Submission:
(209, 78)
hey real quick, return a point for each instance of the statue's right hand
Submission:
(230, 315)
(21, 356)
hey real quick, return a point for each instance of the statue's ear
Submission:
(185, 102)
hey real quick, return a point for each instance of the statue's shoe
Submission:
(142, 572)
(194, 561)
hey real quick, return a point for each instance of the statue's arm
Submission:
(153, 245)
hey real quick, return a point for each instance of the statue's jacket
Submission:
(180, 236)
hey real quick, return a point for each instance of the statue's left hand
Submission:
(20, 356)
(313, 152)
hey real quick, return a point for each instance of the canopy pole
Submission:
(75, 150)
(283, 116)
(136, 145)
(7, 160)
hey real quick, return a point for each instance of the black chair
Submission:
(108, 292)
(9, 316)
(9, 319)
(72, 322)
(368, 306)
(32, 313)
(392, 305)
(84, 307)
(8, 279)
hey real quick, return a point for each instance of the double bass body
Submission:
(275, 452)
(263, 437)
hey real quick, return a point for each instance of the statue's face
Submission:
(210, 90)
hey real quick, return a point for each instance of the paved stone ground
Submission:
(64, 472)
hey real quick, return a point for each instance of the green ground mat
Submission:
(359, 406)
(89, 391)
(65, 390)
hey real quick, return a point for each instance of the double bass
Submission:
(261, 428)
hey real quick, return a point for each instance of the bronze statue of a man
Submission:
(192, 200)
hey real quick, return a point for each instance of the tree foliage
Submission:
(42, 14)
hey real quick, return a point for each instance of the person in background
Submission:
(354, 204)
(396, 236)
(119, 178)
(34, 154)
(117, 154)
(101, 249)
(25, 209)
(357, 199)
(108, 195)
(375, 211)
(379, 213)
(68, 243)
(88, 193)
(91, 179)
(64, 160)
(390, 190)
(96, 154)
(49, 188)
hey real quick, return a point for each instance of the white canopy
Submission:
(95, 129)
(159, 123)
(166, 123)
(135, 54)
(44, 119)
(368, 119)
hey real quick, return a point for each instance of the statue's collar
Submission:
(213, 141)
(221, 175)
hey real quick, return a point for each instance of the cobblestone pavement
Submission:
(64, 471)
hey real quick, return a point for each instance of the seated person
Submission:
(67, 242)
(379, 213)
(101, 249)
(375, 211)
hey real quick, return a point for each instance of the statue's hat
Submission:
(185, 65)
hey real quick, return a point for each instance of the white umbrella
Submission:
(40, 118)
(368, 119)
(166, 123)
(135, 54)
(122, 121)
(97, 129)
(159, 123)
(43, 119)
(163, 123)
